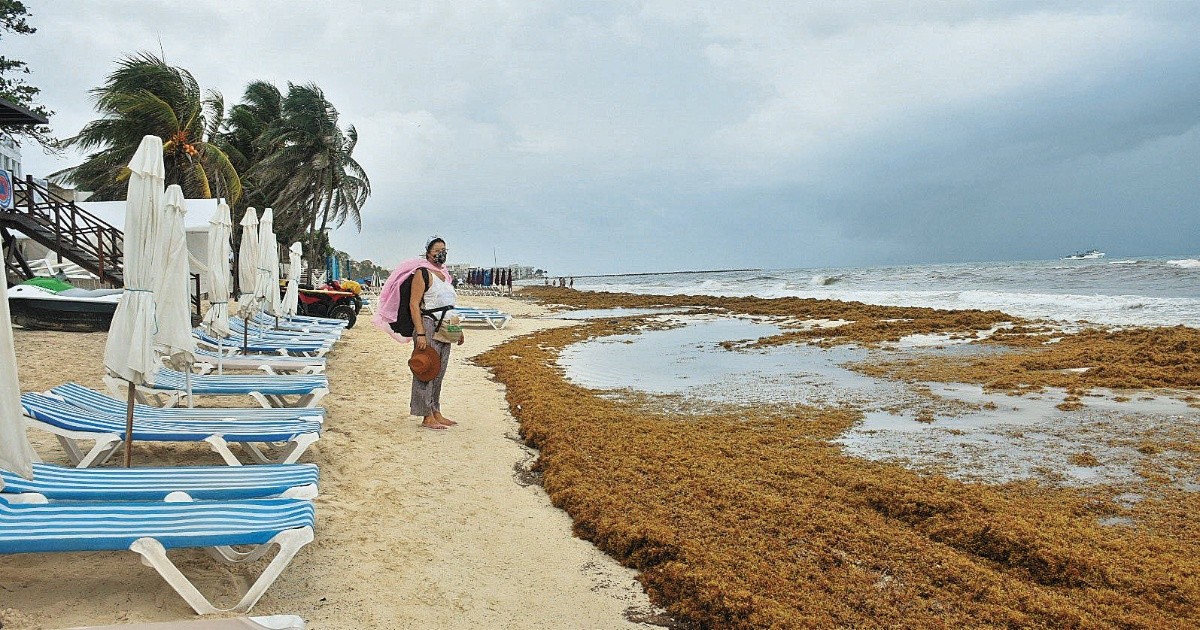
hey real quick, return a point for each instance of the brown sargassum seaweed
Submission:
(754, 520)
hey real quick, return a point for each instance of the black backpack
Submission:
(404, 323)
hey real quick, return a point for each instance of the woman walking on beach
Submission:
(432, 297)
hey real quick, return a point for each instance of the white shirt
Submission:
(439, 294)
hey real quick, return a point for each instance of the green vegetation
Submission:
(13, 87)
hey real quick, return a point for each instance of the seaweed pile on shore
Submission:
(756, 520)
(1137, 358)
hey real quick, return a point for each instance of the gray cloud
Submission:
(591, 137)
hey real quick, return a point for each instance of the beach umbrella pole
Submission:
(245, 335)
(129, 426)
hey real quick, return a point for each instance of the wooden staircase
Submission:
(63, 227)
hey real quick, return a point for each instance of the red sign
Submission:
(6, 190)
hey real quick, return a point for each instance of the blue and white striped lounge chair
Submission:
(81, 396)
(268, 321)
(70, 423)
(284, 336)
(296, 348)
(221, 483)
(490, 316)
(320, 321)
(206, 361)
(303, 320)
(149, 528)
(269, 390)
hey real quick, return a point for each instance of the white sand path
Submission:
(415, 528)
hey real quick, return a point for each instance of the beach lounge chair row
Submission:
(235, 343)
(490, 316)
(261, 331)
(151, 510)
(335, 326)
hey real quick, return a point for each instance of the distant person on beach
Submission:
(572, 282)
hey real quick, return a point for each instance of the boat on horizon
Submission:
(1088, 255)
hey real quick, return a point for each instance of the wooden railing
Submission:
(67, 229)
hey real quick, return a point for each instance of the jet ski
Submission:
(78, 310)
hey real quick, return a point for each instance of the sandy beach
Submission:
(415, 529)
(732, 514)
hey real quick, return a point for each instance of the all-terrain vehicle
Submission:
(329, 302)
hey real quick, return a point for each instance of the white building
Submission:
(10, 155)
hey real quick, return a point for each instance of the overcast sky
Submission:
(585, 137)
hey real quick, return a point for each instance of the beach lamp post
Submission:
(129, 352)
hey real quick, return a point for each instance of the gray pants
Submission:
(427, 396)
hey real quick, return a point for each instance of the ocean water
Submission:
(958, 429)
(1133, 291)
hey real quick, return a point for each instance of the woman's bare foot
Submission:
(431, 422)
(440, 419)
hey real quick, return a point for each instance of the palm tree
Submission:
(307, 162)
(145, 96)
(261, 107)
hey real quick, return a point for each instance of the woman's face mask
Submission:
(439, 257)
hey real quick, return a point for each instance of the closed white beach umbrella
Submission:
(268, 265)
(16, 455)
(248, 264)
(129, 352)
(174, 334)
(220, 226)
(291, 300)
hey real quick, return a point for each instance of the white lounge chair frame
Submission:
(109, 443)
(289, 542)
(171, 397)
